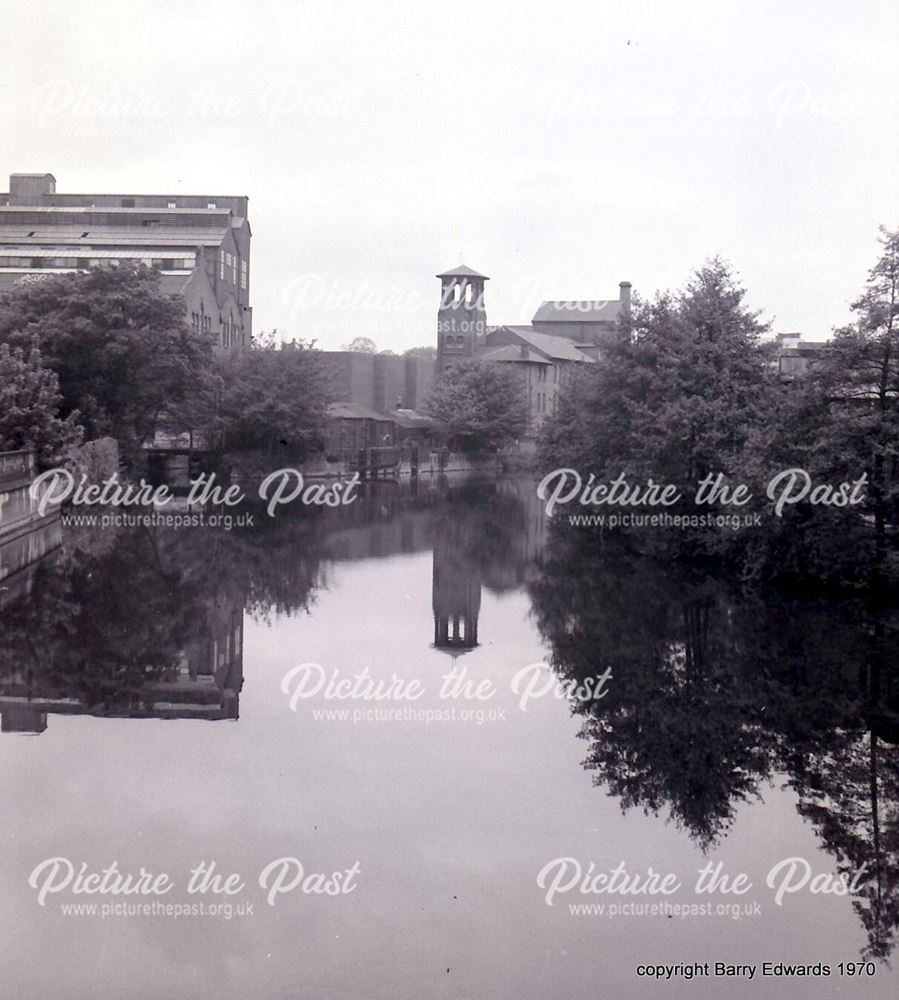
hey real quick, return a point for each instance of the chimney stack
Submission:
(624, 294)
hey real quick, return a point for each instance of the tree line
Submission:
(105, 353)
(687, 388)
(684, 389)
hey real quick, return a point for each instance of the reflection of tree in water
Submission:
(480, 538)
(115, 612)
(849, 788)
(676, 728)
(100, 626)
(714, 690)
(850, 793)
(489, 525)
(275, 564)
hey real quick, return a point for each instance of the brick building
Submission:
(376, 399)
(199, 243)
(561, 335)
(588, 323)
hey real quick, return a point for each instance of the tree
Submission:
(122, 349)
(838, 422)
(361, 345)
(857, 382)
(482, 405)
(29, 405)
(675, 394)
(275, 397)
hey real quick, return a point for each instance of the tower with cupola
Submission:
(461, 318)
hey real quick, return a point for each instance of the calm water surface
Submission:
(145, 667)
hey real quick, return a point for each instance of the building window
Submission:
(243, 274)
(234, 269)
(222, 265)
(171, 204)
(211, 204)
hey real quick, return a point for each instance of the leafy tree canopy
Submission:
(122, 349)
(481, 405)
(29, 405)
(361, 345)
(675, 394)
(274, 396)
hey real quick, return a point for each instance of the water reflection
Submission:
(149, 623)
(476, 544)
(127, 624)
(716, 690)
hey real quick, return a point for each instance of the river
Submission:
(537, 703)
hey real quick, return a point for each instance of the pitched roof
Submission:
(353, 411)
(462, 272)
(173, 284)
(578, 311)
(557, 348)
(411, 419)
(509, 352)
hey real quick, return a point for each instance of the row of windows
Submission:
(230, 330)
(542, 374)
(36, 263)
(541, 402)
(229, 260)
(130, 203)
(199, 321)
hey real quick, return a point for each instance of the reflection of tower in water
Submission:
(456, 588)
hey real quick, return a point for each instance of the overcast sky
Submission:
(557, 147)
